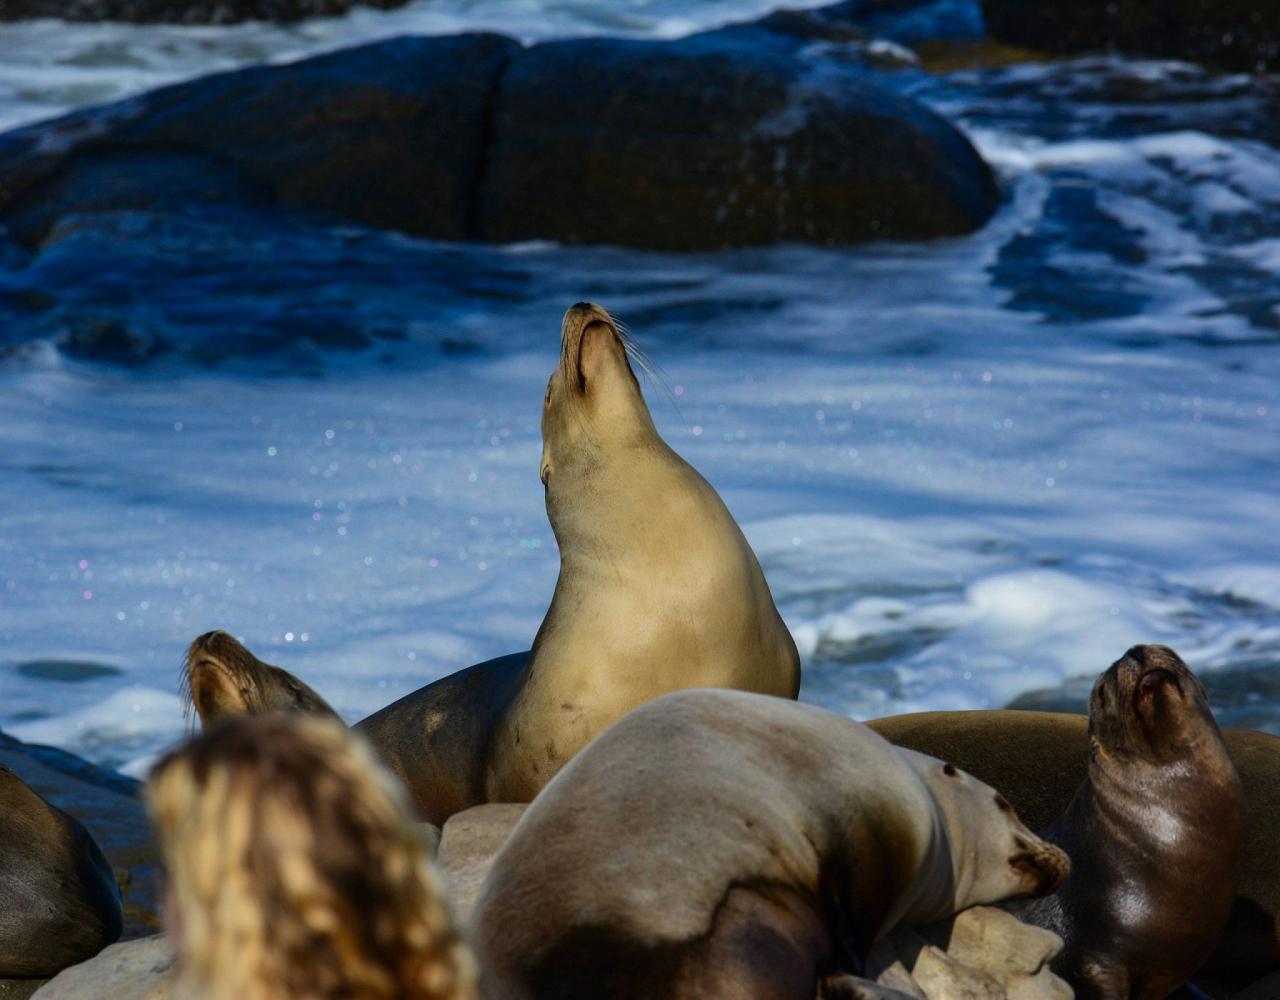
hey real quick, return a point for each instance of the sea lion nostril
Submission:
(583, 306)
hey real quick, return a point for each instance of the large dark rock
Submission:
(184, 11)
(730, 138)
(725, 139)
(389, 135)
(1233, 34)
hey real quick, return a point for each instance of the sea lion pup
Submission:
(59, 902)
(658, 591)
(295, 872)
(1155, 834)
(725, 844)
(221, 678)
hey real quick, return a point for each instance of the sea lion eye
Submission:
(950, 771)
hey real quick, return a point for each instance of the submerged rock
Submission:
(184, 11)
(730, 138)
(1233, 34)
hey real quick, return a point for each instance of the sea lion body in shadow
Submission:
(658, 591)
(1039, 761)
(59, 902)
(724, 844)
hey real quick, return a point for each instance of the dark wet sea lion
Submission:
(221, 678)
(723, 844)
(658, 590)
(1155, 834)
(59, 902)
(1038, 760)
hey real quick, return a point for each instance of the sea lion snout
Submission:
(210, 642)
(1140, 681)
(580, 315)
(213, 667)
(1042, 865)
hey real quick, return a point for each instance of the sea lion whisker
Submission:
(650, 369)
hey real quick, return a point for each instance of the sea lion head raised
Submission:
(975, 813)
(1155, 833)
(1148, 706)
(593, 399)
(221, 678)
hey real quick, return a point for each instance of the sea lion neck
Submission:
(635, 504)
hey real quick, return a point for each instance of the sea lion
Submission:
(658, 590)
(724, 844)
(1152, 818)
(295, 870)
(59, 902)
(221, 678)
(1155, 834)
(1038, 760)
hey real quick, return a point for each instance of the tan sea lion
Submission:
(59, 902)
(724, 844)
(295, 870)
(1040, 760)
(658, 591)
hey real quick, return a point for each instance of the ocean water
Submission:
(974, 470)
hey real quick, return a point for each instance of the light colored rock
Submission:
(941, 976)
(468, 844)
(131, 970)
(981, 954)
(995, 940)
